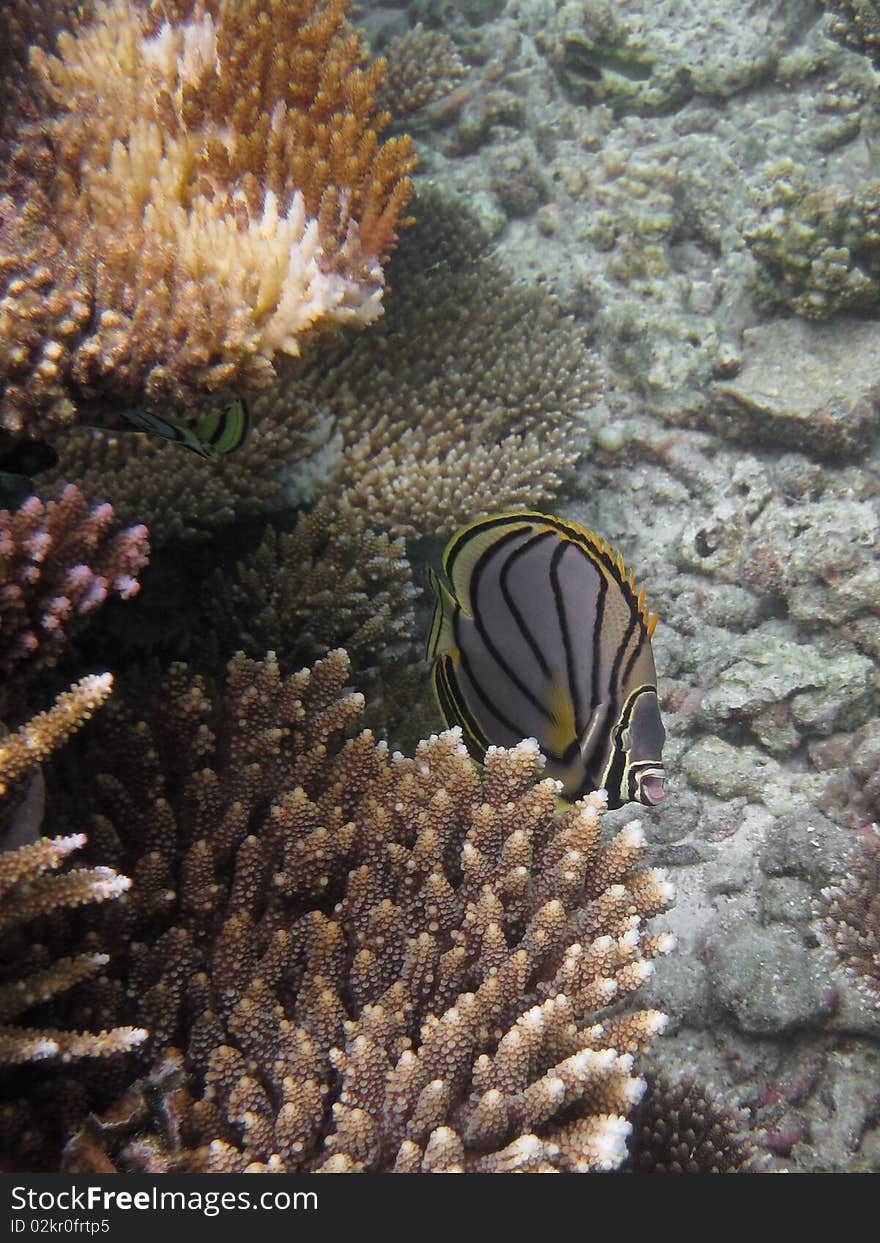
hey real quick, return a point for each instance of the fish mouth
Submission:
(651, 789)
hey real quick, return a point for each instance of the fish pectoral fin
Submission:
(593, 732)
(562, 731)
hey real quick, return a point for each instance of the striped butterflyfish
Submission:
(214, 434)
(540, 632)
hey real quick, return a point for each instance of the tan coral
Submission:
(36, 740)
(370, 962)
(186, 199)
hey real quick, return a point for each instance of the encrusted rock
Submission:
(766, 978)
(813, 386)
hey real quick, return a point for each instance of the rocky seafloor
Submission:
(675, 172)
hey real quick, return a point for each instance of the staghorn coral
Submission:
(464, 398)
(192, 189)
(29, 890)
(58, 563)
(820, 249)
(423, 67)
(856, 24)
(28, 23)
(849, 917)
(349, 960)
(680, 1128)
(38, 970)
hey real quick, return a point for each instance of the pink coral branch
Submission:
(58, 563)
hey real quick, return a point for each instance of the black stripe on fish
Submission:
(482, 694)
(562, 621)
(491, 647)
(464, 536)
(449, 693)
(504, 580)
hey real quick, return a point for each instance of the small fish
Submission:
(216, 433)
(539, 632)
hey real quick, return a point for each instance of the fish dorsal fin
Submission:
(610, 561)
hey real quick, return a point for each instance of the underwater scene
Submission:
(440, 586)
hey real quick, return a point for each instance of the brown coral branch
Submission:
(35, 741)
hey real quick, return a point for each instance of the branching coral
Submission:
(188, 196)
(28, 23)
(37, 965)
(58, 563)
(849, 917)
(29, 890)
(680, 1128)
(369, 962)
(423, 67)
(35, 741)
(465, 399)
(177, 494)
(820, 248)
(329, 582)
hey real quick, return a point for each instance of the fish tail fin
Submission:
(441, 639)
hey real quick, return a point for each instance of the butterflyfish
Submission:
(539, 631)
(214, 434)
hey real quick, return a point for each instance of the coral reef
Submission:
(489, 382)
(28, 23)
(423, 67)
(33, 742)
(29, 891)
(177, 494)
(58, 563)
(419, 426)
(820, 248)
(849, 917)
(680, 1128)
(350, 960)
(186, 197)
